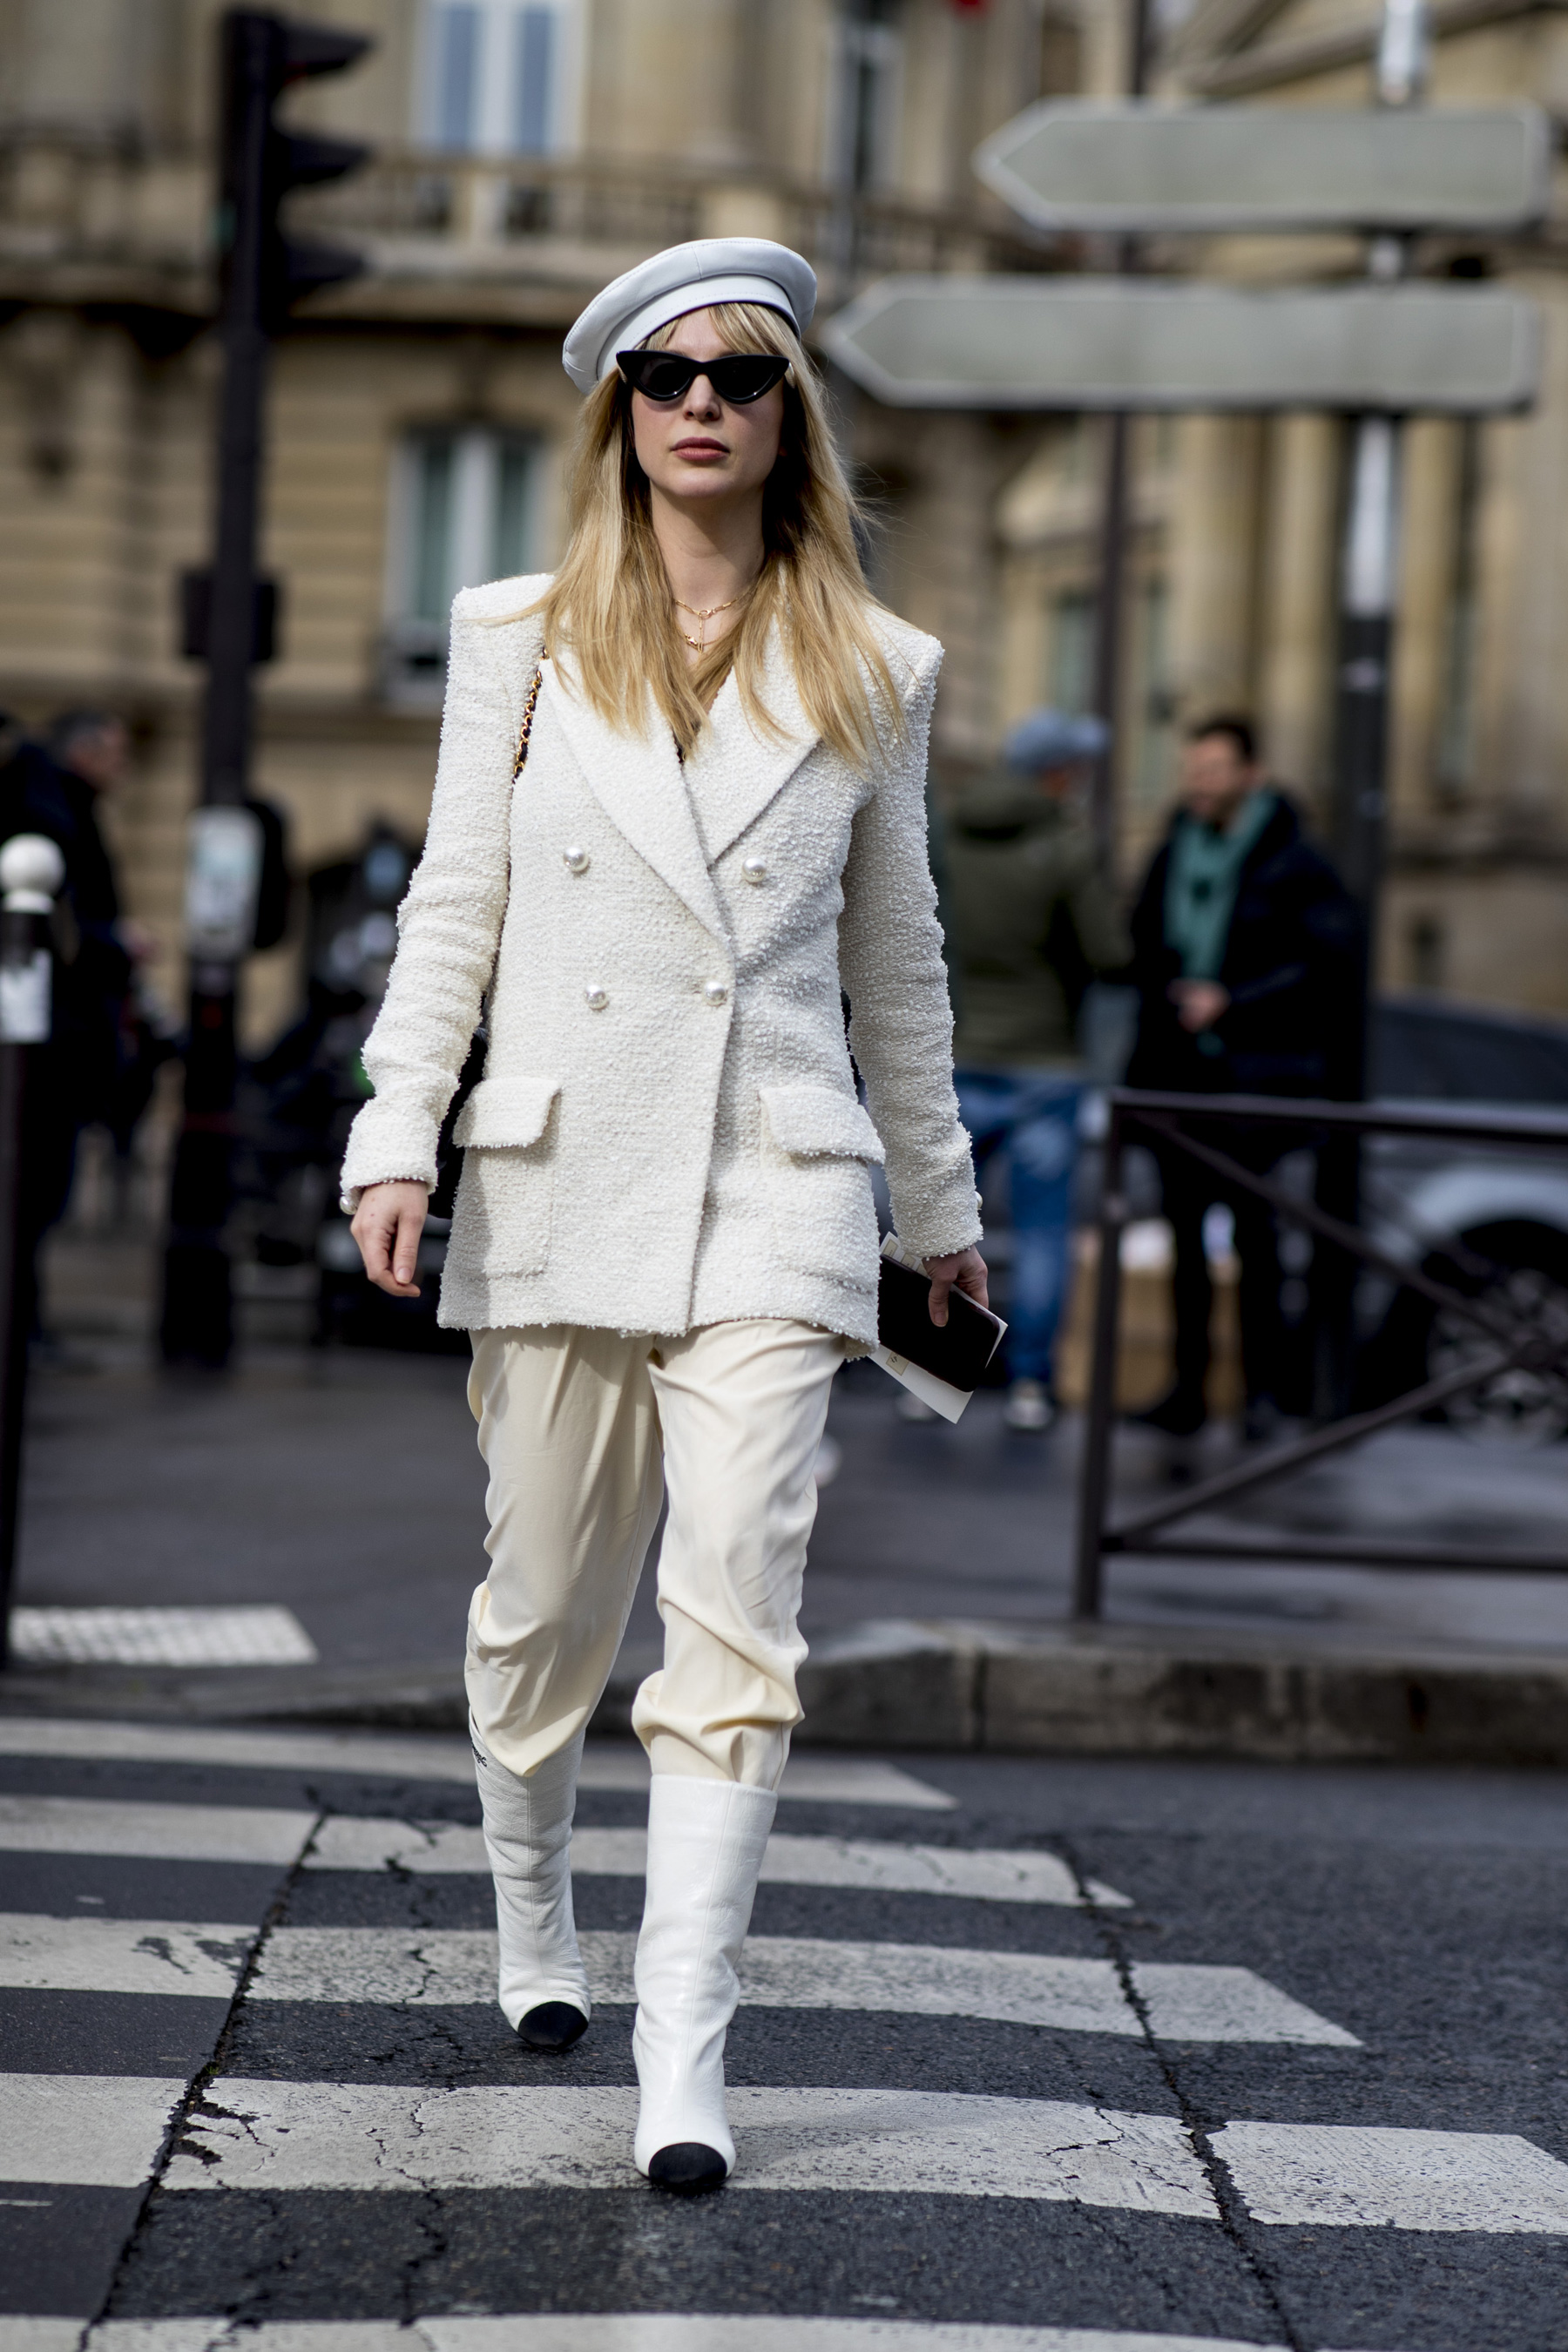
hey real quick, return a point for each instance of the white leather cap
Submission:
(686, 278)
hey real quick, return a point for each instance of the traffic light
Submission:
(264, 271)
(228, 622)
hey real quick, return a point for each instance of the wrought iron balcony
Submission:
(567, 215)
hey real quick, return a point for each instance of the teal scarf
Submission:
(1201, 884)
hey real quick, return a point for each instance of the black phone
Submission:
(958, 1351)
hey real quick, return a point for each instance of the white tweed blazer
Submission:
(667, 1133)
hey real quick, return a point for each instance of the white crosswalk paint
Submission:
(51, 1955)
(152, 1832)
(397, 1965)
(607, 1764)
(350, 1841)
(222, 1636)
(31, 1824)
(1194, 2003)
(1343, 2175)
(93, 2131)
(631, 2331)
(293, 2136)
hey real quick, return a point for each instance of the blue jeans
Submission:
(1032, 1116)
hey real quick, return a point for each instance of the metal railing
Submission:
(1165, 1121)
(513, 201)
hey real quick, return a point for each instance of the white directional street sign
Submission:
(1075, 342)
(1135, 165)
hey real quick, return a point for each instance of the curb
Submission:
(947, 1686)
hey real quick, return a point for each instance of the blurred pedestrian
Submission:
(1032, 920)
(56, 792)
(1248, 964)
(90, 749)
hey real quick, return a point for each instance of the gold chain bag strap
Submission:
(526, 729)
(449, 1156)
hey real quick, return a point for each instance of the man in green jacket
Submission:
(1031, 921)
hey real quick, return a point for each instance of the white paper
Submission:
(941, 1395)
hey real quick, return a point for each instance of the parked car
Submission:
(1484, 1219)
(1490, 1220)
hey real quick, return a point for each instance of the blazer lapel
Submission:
(638, 782)
(736, 772)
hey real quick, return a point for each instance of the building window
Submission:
(1156, 702)
(1457, 720)
(1061, 55)
(1425, 947)
(495, 76)
(1072, 651)
(868, 96)
(464, 510)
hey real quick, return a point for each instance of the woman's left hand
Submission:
(965, 1272)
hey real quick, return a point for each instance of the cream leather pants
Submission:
(581, 1432)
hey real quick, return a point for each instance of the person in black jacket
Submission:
(57, 792)
(1248, 961)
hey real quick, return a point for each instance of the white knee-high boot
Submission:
(705, 1846)
(544, 1986)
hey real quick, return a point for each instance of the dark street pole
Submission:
(1111, 598)
(31, 872)
(1370, 558)
(197, 1322)
(262, 273)
(1368, 586)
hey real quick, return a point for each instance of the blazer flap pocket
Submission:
(505, 1111)
(812, 1123)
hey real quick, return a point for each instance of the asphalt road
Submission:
(1070, 2056)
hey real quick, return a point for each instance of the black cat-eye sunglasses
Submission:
(738, 378)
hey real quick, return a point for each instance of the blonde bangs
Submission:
(609, 605)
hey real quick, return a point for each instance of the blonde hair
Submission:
(609, 605)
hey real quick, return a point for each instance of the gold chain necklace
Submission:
(698, 644)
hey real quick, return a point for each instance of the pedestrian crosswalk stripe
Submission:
(152, 1832)
(350, 1841)
(329, 2135)
(630, 2331)
(606, 1764)
(258, 1833)
(1345, 2175)
(222, 1636)
(141, 1955)
(1186, 2003)
(94, 2131)
(106, 2131)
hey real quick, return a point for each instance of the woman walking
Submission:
(679, 804)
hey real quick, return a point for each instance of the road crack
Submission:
(178, 2136)
(1235, 2220)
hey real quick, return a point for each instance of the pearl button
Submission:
(575, 860)
(715, 992)
(754, 870)
(595, 997)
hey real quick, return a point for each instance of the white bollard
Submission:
(31, 872)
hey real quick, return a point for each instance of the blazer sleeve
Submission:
(900, 1019)
(449, 924)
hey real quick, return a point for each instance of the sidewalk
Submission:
(346, 1487)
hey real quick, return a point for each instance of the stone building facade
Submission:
(1236, 539)
(418, 416)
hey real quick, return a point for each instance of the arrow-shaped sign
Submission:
(1133, 165)
(1075, 342)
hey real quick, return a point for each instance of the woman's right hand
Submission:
(387, 1225)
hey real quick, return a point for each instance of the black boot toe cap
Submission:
(553, 2025)
(688, 2168)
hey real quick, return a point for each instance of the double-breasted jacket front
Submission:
(668, 1132)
